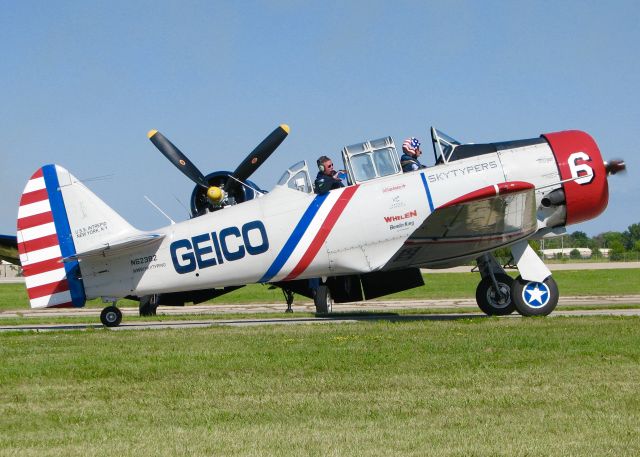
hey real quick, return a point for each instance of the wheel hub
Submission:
(499, 298)
(536, 294)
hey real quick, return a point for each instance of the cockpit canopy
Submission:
(371, 159)
(362, 162)
(378, 158)
(443, 146)
(297, 177)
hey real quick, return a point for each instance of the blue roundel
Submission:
(536, 294)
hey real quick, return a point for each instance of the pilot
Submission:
(327, 178)
(411, 151)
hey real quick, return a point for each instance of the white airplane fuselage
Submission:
(288, 234)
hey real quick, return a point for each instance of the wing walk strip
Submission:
(300, 231)
(39, 246)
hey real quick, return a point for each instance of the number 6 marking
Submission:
(576, 169)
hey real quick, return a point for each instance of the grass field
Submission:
(495, 387)
(437, 286)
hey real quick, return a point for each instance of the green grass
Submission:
(437, 286)
(495, 387)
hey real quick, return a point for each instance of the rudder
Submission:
(44, 239)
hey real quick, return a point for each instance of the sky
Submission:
(82, 82)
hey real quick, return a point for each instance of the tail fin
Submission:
(58, 216)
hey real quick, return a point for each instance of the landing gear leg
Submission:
(111, 316)
(288, 296)
(148, 305)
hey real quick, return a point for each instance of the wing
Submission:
(477, 222)
(9, 249)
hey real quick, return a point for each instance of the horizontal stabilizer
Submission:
(116, 247)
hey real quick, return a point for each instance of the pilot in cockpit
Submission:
(327, 178)
(411, 151)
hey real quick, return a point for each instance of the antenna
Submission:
(98, 178)
(183, 206)
(158, 208)
(247, 185)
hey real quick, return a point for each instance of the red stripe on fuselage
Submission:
(487, 192)
(323, 233)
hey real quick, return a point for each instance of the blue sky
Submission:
(82, 83)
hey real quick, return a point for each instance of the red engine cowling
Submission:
(579, 160)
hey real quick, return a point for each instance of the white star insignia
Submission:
(535, 294)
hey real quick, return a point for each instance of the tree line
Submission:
(621, 245)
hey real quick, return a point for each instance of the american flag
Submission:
(411, 144)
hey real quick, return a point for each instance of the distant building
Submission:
(585, 253)
(8, 270)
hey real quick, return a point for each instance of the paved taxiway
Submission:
(354, 312)
(372, 310)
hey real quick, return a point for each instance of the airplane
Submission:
(367, 239)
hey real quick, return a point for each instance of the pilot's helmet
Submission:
(411, 145)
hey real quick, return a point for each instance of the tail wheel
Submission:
(111, 316)
(323, 300)
(496, 302)
(533, 298)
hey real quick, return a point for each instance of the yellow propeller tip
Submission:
(151, 133)
(285, 127)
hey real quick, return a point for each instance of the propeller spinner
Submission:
(615, 166)
(246, 168)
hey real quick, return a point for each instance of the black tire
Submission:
(148, 305)
(535, 298)
(490, 302)
(111, 316)
(323, 301)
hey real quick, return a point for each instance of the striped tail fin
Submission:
(44, 238)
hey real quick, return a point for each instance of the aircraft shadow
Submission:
(395, 317)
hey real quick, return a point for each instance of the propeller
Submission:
(615, 166)
(246, 168)
(257, 157)
(177, 158)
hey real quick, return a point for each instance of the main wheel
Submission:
(493, 302)
(111, 316)
(323, 300)
(148, 305)
(533, 298)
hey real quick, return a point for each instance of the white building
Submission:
(8, 270)
(585, 253)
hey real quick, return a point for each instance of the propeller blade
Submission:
(615, 166)
(258, 156)
(177, 158)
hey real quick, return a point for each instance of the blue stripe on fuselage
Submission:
(295, 238)
(426, 189)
